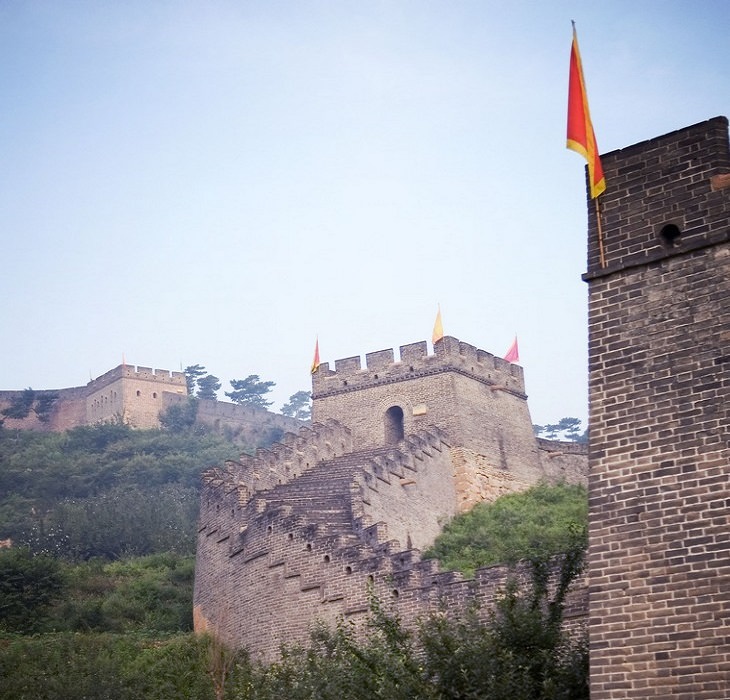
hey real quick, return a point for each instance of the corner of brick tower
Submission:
(659, 394)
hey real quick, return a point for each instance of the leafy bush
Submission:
(28, 586)
(152, 594)
(538, 523)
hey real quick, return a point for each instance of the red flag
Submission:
(315, 361)
(513, 354)
(581, 137)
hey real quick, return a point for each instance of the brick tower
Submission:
(659, 458)
(478, 399)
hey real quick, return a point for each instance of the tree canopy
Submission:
(299, 405)
(250, 391)
(104, 491)
(567, 428)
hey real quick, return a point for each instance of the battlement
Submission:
(665, 197)
(124, 371)
(294, 455)
(450, 355)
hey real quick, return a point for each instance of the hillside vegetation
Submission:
(104, 491)
(541, 522)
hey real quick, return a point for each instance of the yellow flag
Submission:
(438, 328)
(315, 361)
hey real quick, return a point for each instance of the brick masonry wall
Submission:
(477, 399)
(659, 384)
(137, 395)
(267, 571)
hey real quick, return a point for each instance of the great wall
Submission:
(306, 530)
(310, 528)
(136, 396)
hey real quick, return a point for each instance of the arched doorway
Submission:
(393, 425)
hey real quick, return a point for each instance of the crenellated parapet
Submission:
(124, 371)
(281, 565)
(450, 355)
(288, 459)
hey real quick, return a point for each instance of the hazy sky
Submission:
(221, 182)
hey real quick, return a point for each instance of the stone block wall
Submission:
(659, 457)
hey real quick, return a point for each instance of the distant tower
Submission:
(659, 457)
(133, 395)
(476, 398)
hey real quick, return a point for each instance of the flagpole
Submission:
(601, 252)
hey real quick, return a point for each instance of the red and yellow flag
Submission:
(315, 361)
(581, 138)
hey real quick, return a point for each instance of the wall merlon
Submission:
(450, 354)
(380, 360)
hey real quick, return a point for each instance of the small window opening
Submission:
(348, 569)
(326, 558)
(670, 235)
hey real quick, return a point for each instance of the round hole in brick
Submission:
(309, 547)
(669, 235)
(348, 569)
(326, 558)
(371, 579)
(291, 537)
(269, 529)
(395, 593)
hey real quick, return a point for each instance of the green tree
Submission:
(299, 405)
(250, 391)
(521, 652)
(28, 586)
(180, 417)
(208, 387)
(566, 428)
(192, 374)
(120, 521)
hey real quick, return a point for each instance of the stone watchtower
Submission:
(659, 457)
(477, 399)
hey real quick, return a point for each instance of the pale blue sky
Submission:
(220, 182)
